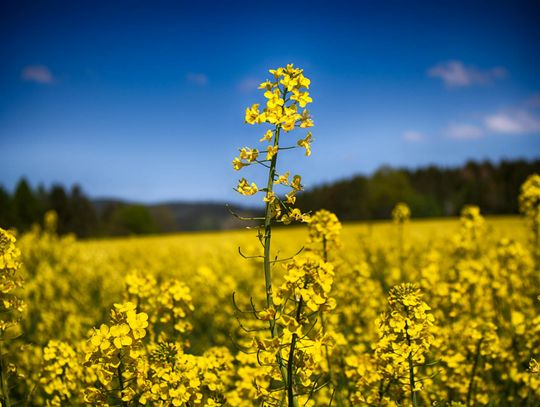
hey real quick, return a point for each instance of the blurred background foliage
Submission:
(429, 191)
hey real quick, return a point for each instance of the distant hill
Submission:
(183, 216)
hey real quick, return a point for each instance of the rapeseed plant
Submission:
(529, 205)
(11, 306)
(286, 98)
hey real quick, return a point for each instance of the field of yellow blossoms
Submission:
(397, 313)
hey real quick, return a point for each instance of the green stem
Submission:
(293, 402)
(267, 264)
(473, 373)
(268, 234)
(323, 324)
(121, 381)
(414, 401)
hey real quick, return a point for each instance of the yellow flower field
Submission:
(184, 284)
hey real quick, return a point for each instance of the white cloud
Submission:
(37, 73)
(248, 85)
(463, 131)
(513, 122)
(199, 79)
(455, 74)
(412, 136)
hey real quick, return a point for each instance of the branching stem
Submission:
(414, 401)
(473, 373)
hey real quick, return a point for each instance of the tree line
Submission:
(76, 212)
(430, 191)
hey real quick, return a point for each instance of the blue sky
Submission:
(145, 100)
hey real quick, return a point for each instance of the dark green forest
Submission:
(109, 217)
(430, 192)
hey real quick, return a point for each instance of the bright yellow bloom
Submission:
(305, 120)
(303, 98)
(245, 188)
(249, 154)
(401, 213)
(266, 85)
(238, 164)
(306, 143)
(283, 179)
(269, 197)
(303, 81)
(252, 114)
(120, 333)
(271, 151)
(290, 197)
(296, 183)
(137, 323)
(276, 72)
(267, 136)
(274, 98)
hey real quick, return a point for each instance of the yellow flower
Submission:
(271, 151)
(534, 366)
(245, 188)
(276, 72)
(306, 143)
(266, 85)
(302, 98)
(294, 215)
(305, 120)
(137, 323)
(401, 213)
(269, 197)
(100, 338)
(290, 324)
(267, 136)
(296, 183)
(274, 98)
(238, 164)
(249, 154)
(252, 114)
(120, 333)
(303, 81)
(283, 179)
(290, 197)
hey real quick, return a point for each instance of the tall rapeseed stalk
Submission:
(286, 98)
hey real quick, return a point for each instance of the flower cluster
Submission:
(529, 205)
(324, 230)
(61, 374)
(11, 306)
(469, 239)
(405, 336)
(286, 98)
(116, 350)
(401, 213)
(178, 379)
(167, 305)
(301, 343)
(529, 198)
